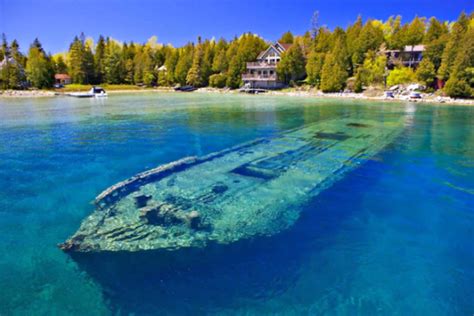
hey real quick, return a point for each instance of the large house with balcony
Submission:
(261, 74)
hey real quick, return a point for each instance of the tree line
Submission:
(329, 60)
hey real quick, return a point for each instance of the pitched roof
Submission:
(61, 76)
(285, 45)
(280, 48)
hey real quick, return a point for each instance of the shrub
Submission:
(217, 80)
(401, 75)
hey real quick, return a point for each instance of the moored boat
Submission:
(253, 189)
(187, 88)
(94, 92)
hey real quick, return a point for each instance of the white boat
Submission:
(94, 92)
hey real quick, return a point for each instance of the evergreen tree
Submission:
(435, 41)
(170, 63)
(39, 70)
(113, 62)
(292, 65)
(75, 61)
(314, 67)
(184, 63)
(286, 38)
(59, 65)
(334, 73)
(195, 73)
(461, 81)
(371, 37)
(415, 31)
(451, 50)
(426, 72)
(220, 63)
(99, 57)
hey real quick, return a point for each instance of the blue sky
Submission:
(55, 22)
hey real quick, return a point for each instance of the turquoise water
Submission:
(393, 237)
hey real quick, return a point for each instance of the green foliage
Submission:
(314, 67)
(334, 76)
(113, 62)
(401, 75)
(461, 81)
(12, 75)
(372, 72)
(425, 72)
(452, 47)
(59, 65)
(292, 65)
(39, 69)
(99, 62)
(287, 38)
(184, 64)
(217, 80)
(335, 70)
(195, 74)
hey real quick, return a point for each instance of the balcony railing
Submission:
(259, 77)
(261, 65)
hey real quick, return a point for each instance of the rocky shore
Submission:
(27, 93)
(378, 96)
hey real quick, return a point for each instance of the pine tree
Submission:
(415, 31)
(314, 67)
(292, 65)
(113, 63)
(461, 81)
(39, 70)
(425, 72)
(435, 41)
(184, 64)
(195, 73)
(451, 50)
(286, 38)
(75, 61)
(333, 76)
(99, 57)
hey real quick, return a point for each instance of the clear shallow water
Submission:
(395, 236)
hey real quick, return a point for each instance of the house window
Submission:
(259, 72)
(271, 72)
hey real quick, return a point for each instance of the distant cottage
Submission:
(262, 73)
(410, 56)
(63, 79)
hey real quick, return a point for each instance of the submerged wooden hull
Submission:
(253, 189)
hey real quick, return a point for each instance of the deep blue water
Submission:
(393, 237)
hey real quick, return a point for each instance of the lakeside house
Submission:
(409, 56)
(63, 79)
(261, 74)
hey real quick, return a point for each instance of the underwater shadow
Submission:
(202, 280)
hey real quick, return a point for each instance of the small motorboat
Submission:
(414, 96)
(388, 95)
(186, 88)
(94, 92)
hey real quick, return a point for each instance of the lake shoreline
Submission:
(6, 94)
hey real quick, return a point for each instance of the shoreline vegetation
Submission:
(347, 60)
(305, 91)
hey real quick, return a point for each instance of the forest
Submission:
(329, 60)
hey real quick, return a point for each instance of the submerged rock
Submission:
(252, 189)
